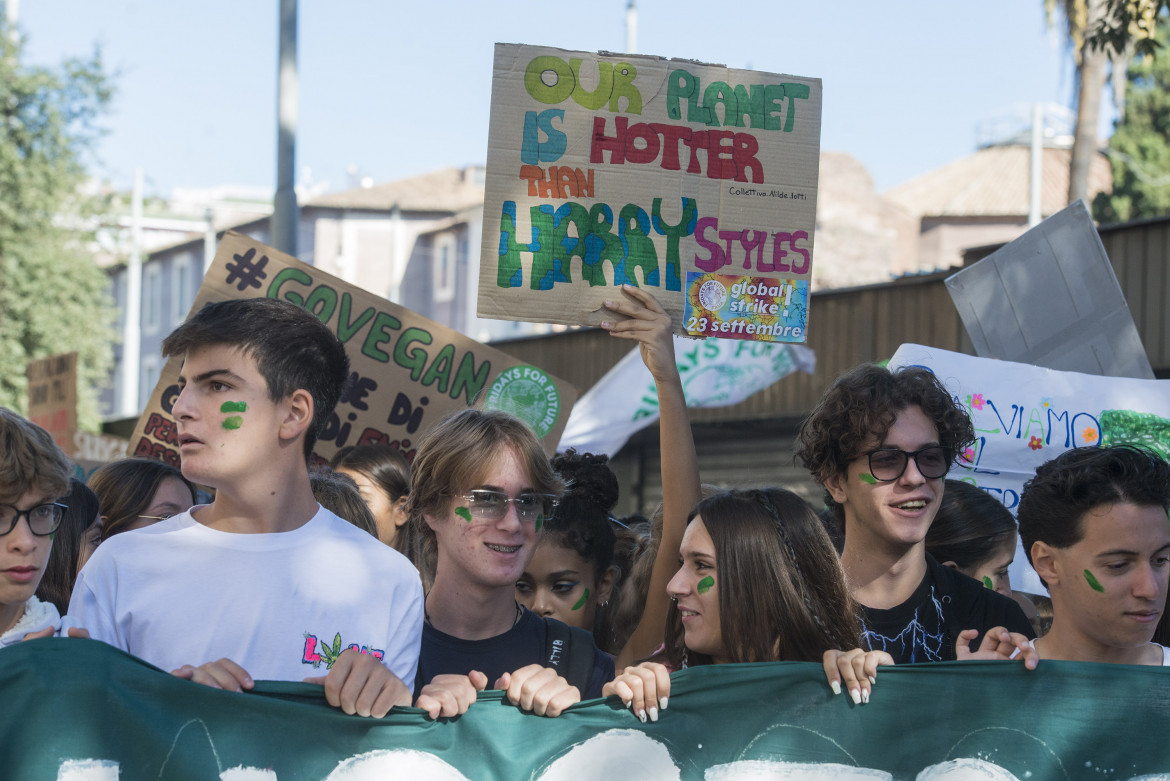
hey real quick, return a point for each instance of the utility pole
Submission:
(208, 238)
(1037, 178)
(131, 329)
(12, 16)
(285, 216)
(631, 28)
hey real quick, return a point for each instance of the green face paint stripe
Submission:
(540, 523)
(581, 602)
(233, 406)
(705, 584)
(987, 583)
(866, 477)
(233, 423)
(1093, 582)
(463, 513)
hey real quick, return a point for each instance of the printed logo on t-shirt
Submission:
(317, 652)
(922, 639)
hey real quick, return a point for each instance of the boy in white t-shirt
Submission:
(261, 582)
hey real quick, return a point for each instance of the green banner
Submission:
(78, 710)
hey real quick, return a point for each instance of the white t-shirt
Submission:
(282, 605)
(37, 616)
(1165, 652)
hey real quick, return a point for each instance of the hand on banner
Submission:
(359, 683)
(224, 674)
(650, 326)
(450, 695)
(998, 645)
(857, 669)
(643, 689)
(73, 631)
(538, 689)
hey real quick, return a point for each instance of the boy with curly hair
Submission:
(881, 442)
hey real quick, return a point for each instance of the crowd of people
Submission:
(486, 564)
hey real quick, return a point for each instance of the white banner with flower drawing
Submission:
(1025, 415)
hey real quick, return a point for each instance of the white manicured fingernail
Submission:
(865, 696)
(835, 686)
(654, 714)
(662, 703)
(627, 703)
(855, 695)
(872, 679)
(642, 716)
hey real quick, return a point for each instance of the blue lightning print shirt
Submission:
(924, 628)
(913, 631)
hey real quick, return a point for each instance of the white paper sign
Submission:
(1026, 415)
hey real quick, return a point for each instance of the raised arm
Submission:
(649, 325)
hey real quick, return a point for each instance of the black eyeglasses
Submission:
(889, 463)
(487, 505)
(43, 519)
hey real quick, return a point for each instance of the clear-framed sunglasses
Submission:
(487, 505)
(43, 519)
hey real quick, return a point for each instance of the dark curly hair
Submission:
(861, 407)
(581, 521)
(1065, 488)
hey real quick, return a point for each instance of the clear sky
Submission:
(400, 88)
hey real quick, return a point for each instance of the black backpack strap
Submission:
(569, 650)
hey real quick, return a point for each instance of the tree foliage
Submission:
(53, 296)
(1094, 58)
(1128, 23)
(1140, 146)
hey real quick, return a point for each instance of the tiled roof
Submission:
(445, 190)
(994, 182)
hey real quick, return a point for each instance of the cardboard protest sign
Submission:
(1026, 415)
(697, 182)
(407, 372)
(1050, 298)
(91, 451)
(114, 716)
(52, 397)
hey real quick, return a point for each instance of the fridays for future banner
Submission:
(1026, 415)
(697, 182)
(79, 710)
(406, 372)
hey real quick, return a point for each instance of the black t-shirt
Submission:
(522, 645)
(926, 626)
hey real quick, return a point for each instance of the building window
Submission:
(444, 266)
(182, 290)
(148, 378)
(151, 298)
